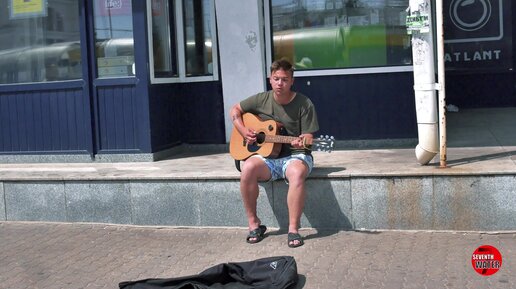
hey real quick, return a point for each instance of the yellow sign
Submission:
(28, 8)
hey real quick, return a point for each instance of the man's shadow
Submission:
(327, 204)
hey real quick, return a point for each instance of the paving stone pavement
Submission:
(63, 255)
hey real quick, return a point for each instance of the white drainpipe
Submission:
(424, 81)
(439, 15)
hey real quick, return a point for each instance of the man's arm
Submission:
(236, 118)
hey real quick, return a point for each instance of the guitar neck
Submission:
(282, 139)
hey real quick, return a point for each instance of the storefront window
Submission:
(114, 38)
(39, 41)
(326, 34)
(182, 33)
(163, 28)
(198, 40)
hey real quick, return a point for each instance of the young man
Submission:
(297, 114)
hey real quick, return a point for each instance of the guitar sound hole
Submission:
(260, 137)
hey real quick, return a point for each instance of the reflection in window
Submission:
(198, 40)
(320, 34)
(163, 28)
(114, 38)
(182, 38)
(40, 46)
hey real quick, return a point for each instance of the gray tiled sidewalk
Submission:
(58, 255)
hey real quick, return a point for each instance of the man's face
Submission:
(281, 81)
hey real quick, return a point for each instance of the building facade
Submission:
(132, 80)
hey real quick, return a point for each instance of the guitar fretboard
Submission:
(281, 139)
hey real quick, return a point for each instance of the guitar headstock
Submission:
(323, 143)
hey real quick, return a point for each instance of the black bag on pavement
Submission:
(266, 273)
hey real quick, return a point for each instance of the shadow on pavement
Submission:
(480, 158)
(323, 210)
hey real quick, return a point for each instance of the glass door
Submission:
(113, 36)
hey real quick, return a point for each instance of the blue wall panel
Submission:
(117, 118)
(481, 90)
(167, 123)
(204, 112)
(186, 113)
(42, 121)
(363, 106)
(5, 124)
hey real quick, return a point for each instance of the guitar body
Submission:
(239, 149)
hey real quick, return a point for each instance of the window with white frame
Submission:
(182, 42)
(340, 34)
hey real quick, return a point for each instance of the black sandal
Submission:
(292, 237)
(257, 234)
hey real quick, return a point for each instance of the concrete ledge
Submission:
(35, 201)
(45, 158)
(181, 149)
(2, 202)
(376, 143)
(84, 157)
(480, 203)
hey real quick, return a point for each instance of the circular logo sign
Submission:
(470, 15)
(486, 260)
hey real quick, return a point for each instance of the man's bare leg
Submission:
(253, 171)
(296, 173)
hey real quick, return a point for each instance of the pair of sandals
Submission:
(255, 236)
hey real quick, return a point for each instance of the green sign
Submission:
(419, 23)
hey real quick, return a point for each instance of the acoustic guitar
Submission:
(268, 140)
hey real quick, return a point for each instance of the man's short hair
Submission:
(282, 64)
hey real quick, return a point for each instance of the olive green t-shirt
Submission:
(297, 117)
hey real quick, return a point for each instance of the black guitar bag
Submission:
(267, 273)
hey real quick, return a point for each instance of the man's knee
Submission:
(251, 165)
(254, 168)
(296, 171)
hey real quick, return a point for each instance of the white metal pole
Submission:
(441, 81)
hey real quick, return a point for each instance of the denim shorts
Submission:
(278, 167)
